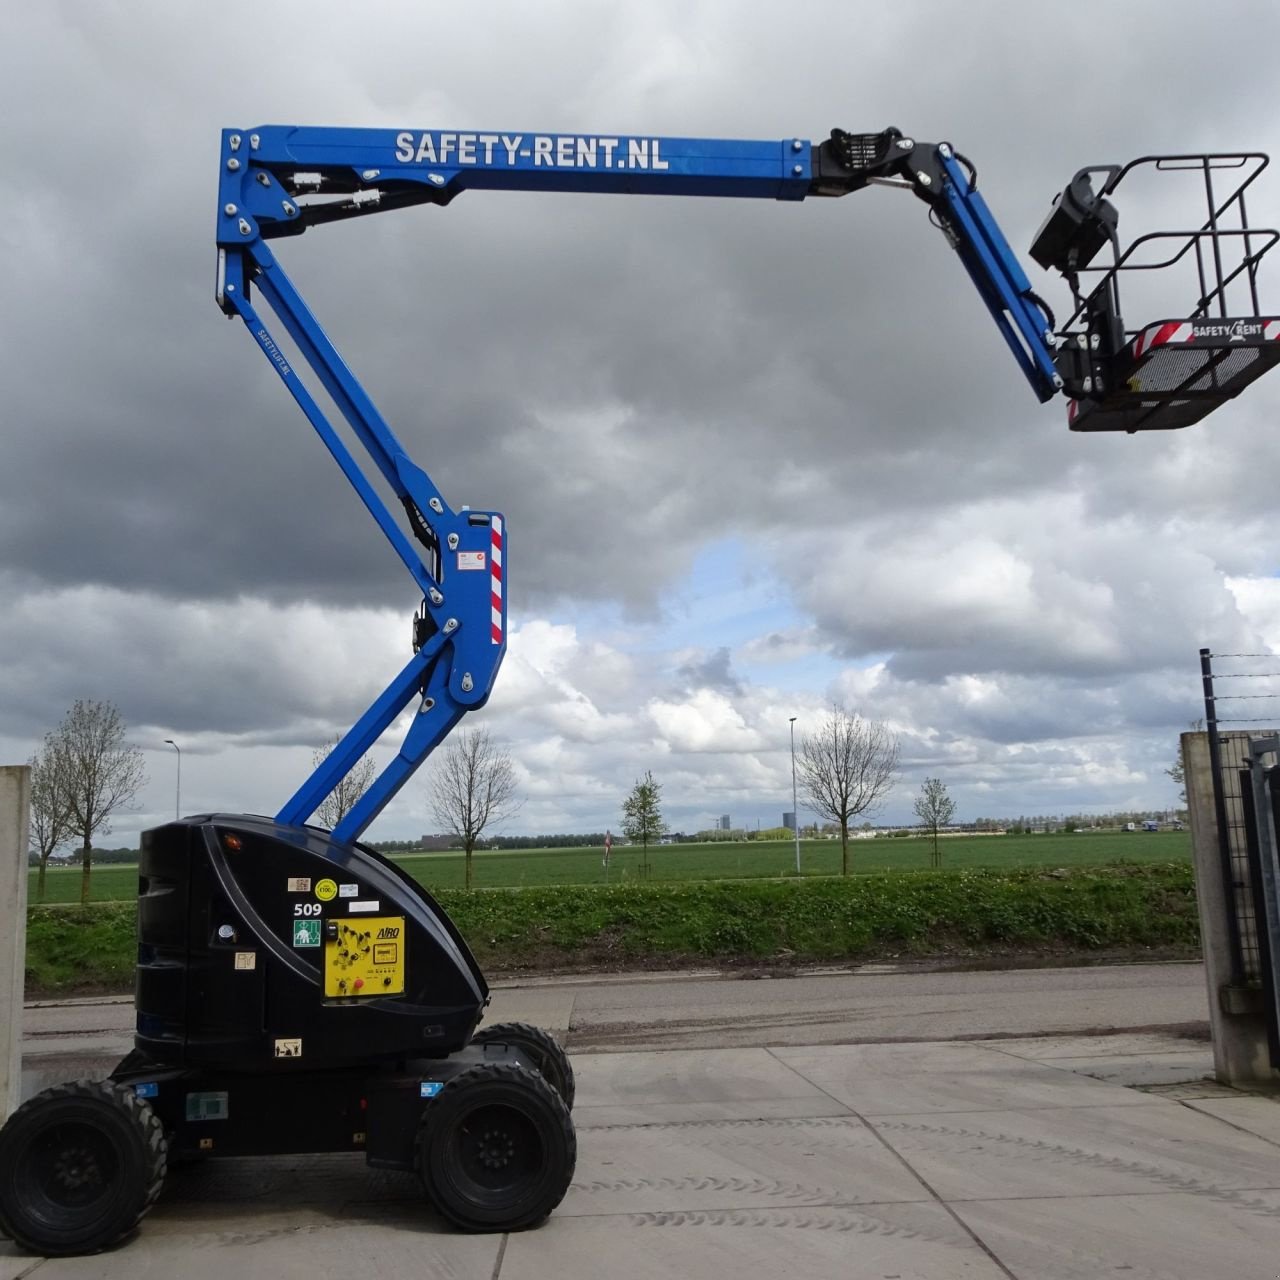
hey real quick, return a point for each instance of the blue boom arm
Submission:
(277, 181)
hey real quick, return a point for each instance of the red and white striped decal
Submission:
(1160, 334)
(495, 580)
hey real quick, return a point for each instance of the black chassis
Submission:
(376, 1109)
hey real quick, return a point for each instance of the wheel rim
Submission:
(69, 1173)
(498, 1149)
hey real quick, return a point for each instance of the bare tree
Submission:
(50, 818)
(847, 768)
(642, 814)
(97, 772)
(473, 785)
(935, 809)
(342, 799)
(1176, 771)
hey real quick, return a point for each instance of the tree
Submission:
(96, 770)
(935, 809)
(473, 785)
(642, 814)
(847, 768)
(1177, 770)
(50, 818)
(342, 799)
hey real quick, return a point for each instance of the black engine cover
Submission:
(238, 919)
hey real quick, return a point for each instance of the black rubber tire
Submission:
(80, 1164)
(548, 1057)
(497, 1148)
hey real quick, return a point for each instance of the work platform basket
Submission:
(1172, 371)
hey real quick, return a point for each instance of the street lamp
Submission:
(177, 799)
(795, 811)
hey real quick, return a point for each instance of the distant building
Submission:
(789, 821)
(725, 823)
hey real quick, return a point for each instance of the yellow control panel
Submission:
(364, 957)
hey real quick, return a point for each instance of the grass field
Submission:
(723, 861)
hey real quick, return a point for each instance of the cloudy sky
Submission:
(754, 457)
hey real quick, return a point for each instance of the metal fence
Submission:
(1229, 755)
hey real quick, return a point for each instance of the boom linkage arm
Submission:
(277, 181)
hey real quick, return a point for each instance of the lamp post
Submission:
(177, 799)
(795, 811)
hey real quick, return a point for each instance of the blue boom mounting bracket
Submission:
(278, 181)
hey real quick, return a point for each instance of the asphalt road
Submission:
(870, 1006)
(698, 1011)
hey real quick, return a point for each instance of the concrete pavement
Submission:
(1038, 1158)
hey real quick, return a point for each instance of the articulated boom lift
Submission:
(298, 992)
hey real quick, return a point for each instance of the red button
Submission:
(358, 983)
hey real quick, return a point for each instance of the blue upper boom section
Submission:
(446, 161)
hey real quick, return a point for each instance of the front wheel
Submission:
(542, 1049)
(80, 1164)
(497, 1148)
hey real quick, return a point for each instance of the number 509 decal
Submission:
(307, 909)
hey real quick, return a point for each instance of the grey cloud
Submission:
(711, 671)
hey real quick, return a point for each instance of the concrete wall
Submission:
(15, 813)
(1236, 1018)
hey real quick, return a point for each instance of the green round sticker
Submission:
(326, 890)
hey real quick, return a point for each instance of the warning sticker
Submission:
(326, 890)
(299, 884)
(470, 559)
(348, 891)
(291, 1048)
(246, 959)
(306, 933)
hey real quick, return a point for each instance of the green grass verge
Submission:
(917, 913)
(726, 860)
(81, 948)
(1131, 908)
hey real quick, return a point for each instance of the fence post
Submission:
(15, 815)
(1236, 1017)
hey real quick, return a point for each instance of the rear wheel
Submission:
(497, 1148)
(542, 1049)
(80, 1164)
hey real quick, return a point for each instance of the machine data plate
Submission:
(366, 958)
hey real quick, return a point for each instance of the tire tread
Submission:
(545, 1042)
(138, 1114)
